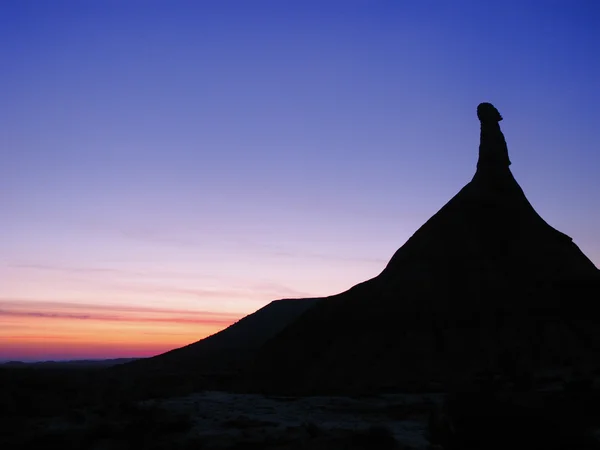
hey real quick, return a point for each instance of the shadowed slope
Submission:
(225, 351)
(485, 284)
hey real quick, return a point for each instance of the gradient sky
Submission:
(167, 167)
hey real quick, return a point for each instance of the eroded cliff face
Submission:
(485, 284)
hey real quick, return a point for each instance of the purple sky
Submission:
(216, 155)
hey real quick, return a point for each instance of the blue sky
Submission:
(216, 155)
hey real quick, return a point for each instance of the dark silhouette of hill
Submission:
(213, 360)
(69, 364)
(485, 285)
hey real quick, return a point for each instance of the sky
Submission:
(167, 167)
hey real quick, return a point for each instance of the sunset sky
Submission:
(167, 167)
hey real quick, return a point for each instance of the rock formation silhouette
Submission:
(493, 152)
(485, 285)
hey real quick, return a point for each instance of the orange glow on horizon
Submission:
(63, 331)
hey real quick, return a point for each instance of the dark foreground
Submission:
(84, 409)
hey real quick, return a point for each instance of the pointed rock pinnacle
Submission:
(493, 152)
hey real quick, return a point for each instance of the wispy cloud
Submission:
(184, 239)
(173, 291)
(155, 235)
(55, 268)
(51, 315)
(276, 290)
(109, 271)
(328, 257)
(286, 252)
(201, 319)
(157, 238)
(162, 283)
(111, 313)
(33, 304)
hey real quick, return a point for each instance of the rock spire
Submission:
(493, 152)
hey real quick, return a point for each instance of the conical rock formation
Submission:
(484, 285)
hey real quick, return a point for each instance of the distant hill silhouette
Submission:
(223, 353)
(68, 364)
(484, 285)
